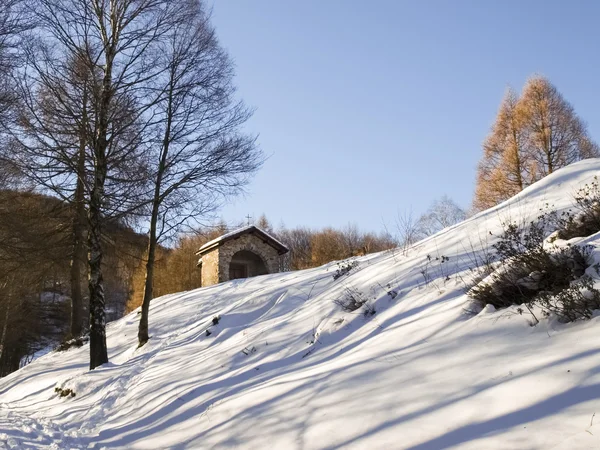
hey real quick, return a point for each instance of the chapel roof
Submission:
(250, 229)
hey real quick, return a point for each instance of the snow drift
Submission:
(287, 367)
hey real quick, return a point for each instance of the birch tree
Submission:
(116, 40)
(201, 156)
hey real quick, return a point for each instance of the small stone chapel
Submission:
(242, 253)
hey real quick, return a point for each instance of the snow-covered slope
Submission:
(286, 368)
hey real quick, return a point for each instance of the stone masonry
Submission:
(251, 243)
(216, 261)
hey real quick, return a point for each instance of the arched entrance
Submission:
(246, 264)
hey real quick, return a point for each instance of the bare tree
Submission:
(299, 241)
(264, 224)
(12, 25)
(352, 240)
(407, 227)
(200, 154)
(117, 41)
(51, 132)
(13, 22)
(32, 252)
(50, 143)
(444, 212)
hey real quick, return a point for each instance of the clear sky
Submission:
(367, 108)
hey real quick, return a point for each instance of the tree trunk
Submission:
(4, 331)
(98, 351)
(149, 281)
(79, 248)
(517, 157)
(153, 239)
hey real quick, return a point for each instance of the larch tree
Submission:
(554, 135)
(200, 154)
(503, 170)
(533, 135)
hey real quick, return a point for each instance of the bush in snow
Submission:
(352, 300)
(70, 343)
(344, 268)
(577, 301)
(532, 272)
(586, 220)
(369, 310)
(64, 392)
(435, 268)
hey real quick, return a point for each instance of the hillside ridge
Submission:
(287, 367)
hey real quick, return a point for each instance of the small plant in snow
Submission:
(248, 351)
(482, 262)
(369, 310)
(344, 268)
(351, 300)
(392, 293)
(64, 392)
(434, 268)
(74, 342)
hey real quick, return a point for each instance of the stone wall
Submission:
(215, 264)
(245, 242)
(210, 267)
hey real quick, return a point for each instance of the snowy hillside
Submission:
(287, 368)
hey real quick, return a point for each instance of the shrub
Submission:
(440, 269)
(70, 343)
(64, 392)
(369, 310)
(352, 300)
(586, 221)
(344, 268)
(532, 273)
(573, 303)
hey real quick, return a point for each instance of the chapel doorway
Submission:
(246, 264)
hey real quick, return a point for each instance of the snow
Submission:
(226, 236)
(285, 367)
(236, 232)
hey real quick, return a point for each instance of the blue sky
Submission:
(367, 108)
